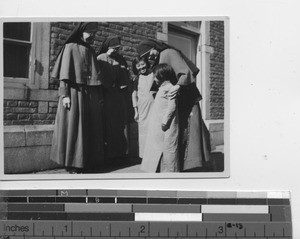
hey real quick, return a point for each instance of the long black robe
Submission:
(78, 133)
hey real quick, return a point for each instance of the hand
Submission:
(174, 91)
(66, 101)
(110, 51)
(136, 116)
(164, 127)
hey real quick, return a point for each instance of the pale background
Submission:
(264, 82)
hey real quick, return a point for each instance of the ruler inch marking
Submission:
(187, 229)
(33, 229)
(110, 230)
(271, 217)
(72, 229)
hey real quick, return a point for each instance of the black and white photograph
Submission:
(110, 99)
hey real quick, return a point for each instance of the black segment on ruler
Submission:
(36, 216)
(101, 216)
(17, 207)
(192, 201)
(14, 199)
(42, 199)
(162, 200)
(101, 200)
(278, 201)
(229, 201)
(251, 201)
(131, 200)
(71, 199)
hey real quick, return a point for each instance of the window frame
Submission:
(39, 53)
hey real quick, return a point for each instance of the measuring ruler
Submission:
(144, 214)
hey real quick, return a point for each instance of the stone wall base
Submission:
(216, 129)
(27, 148)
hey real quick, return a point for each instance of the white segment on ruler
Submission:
(247, 209)
(169, 217)
(274, 194)
(286, 195)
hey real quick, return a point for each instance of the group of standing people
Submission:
(92, 121)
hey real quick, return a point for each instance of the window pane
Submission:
(16, 60)
(17, 30)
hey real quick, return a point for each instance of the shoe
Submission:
(74, 170)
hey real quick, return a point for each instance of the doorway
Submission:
(185, 42)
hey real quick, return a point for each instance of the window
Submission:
(26, 55)
(17, 48)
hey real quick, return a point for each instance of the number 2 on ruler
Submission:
(143, 228)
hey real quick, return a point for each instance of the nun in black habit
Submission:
(78, 132)
(115, 78)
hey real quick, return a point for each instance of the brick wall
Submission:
(43, 112)
(131, 34)
(217, 70)
(19, 112)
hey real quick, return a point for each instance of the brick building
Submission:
(30, 95)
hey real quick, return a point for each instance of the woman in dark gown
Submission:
(116, 100)
(78, 134)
